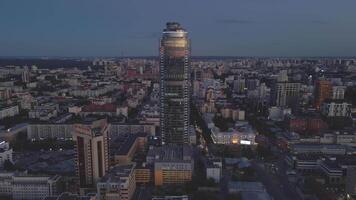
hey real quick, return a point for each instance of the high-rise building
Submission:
(285, 94)
(92, 159)
(26, 75)
(239, 85)
(174, 84)
(323, 91)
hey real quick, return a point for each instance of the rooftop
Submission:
(117, 172)
(171, 153)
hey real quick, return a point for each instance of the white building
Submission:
(338, 92)
(336, 109)
(49, 131)
(214, 170)
(6, 183)
(35, 187)
(5, 153)
(44, 112)
(9, 111)
(21, 186)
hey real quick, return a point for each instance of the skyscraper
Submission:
(174, 84)
(92, 160)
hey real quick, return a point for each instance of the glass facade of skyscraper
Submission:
(174, 84)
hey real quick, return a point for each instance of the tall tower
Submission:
(92, 159)
(174, 84)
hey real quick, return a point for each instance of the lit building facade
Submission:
(174, 84)
(173, 164)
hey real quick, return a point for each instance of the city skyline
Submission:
(229, 28)
(183, 100)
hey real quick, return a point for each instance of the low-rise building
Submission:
(36, 131)
(117, 129)
(143, 174)
(242, 134)
(336, 109)
(119, 183)
(5, 153)
(9, 111)
(181, 197)
(124, 148)
(327, 149)
(214, 170)
(35, 187)
(173, 164)
(44, 112)
(249, 190)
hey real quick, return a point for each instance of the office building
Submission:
(173, 164)
(35, 187)
(119, 183)
(323, 91)
(285, 94)
(92, 159)
(174, 84)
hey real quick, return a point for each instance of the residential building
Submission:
(37, 131)
(35, 187)
(5, 153)
(9, 111)
(336, 109)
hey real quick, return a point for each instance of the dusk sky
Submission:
(216, 27)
